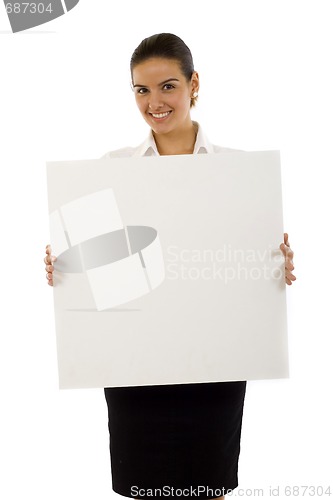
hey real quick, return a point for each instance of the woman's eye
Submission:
(142, 90)
(168, 86)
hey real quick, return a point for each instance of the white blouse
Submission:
(148, 147)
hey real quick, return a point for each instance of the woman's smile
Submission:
(158, 117)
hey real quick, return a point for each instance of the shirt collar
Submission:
(148, 147)
(202, 144)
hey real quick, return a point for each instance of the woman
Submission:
(185, 436)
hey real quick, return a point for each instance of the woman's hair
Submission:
(167, 46)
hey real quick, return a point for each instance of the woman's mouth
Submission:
(160, 116)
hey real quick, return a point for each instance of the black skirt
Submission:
(175, 437)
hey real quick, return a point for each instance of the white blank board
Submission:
(169, 269)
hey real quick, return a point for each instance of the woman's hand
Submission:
(49, 259)
(288, 255)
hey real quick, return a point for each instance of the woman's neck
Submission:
(177, 142)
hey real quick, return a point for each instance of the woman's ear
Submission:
(195, 82)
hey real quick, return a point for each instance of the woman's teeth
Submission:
(161, 115)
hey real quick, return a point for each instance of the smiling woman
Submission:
(166, 87)
(181, 437)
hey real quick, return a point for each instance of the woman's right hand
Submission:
(49, 259)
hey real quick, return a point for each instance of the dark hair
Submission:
(167, 46)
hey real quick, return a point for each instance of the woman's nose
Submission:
(155, 101)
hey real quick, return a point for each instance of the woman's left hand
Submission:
(288, 255)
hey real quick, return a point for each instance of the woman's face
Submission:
(163, 94)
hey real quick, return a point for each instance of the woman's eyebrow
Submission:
(169, 80)
(162, 83)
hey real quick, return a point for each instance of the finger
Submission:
(289, 258)
(289, 253)
(50, 282)
(290, 276)
(288, 281)
(289, 266)
(49, 269)
(49, 276)
(286, 239)
(47, 259)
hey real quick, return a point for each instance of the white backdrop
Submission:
(266, 83)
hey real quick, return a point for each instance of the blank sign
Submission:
(184, 281)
